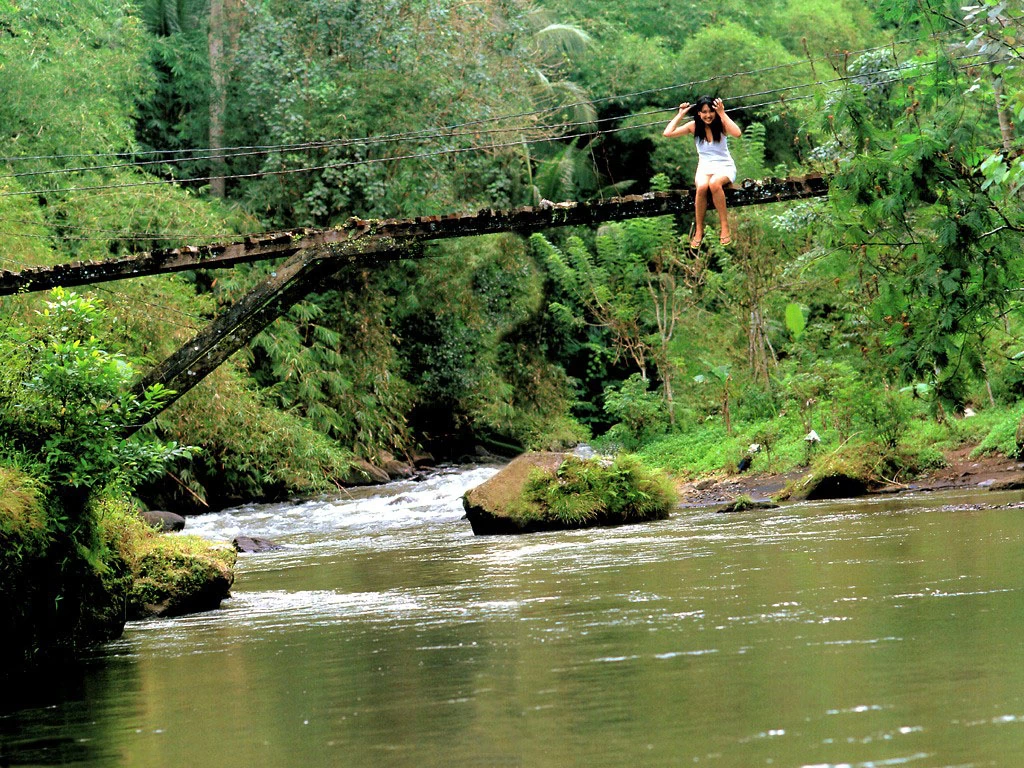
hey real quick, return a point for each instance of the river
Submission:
(853, 634)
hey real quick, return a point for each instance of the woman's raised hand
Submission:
(718, 106)
(684, 107)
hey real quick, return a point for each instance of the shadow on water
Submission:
(49, 716)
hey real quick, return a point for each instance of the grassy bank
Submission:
(909, 443)
(68, 584)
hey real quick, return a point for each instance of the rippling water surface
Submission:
(855, 634)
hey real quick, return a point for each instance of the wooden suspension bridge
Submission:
(311, 256)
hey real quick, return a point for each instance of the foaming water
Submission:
(371, 511)
(878, 632)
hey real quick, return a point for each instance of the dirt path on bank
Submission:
(961, 471)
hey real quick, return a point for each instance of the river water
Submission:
(862, 633)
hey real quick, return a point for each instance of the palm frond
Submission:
(562, 40)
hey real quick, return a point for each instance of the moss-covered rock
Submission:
(161, 574)
(746, 503)
(180, 574)
(59, 593)
(24, 528)
(833, 486)
(489, 506)
(835, 476)
(551, 491)
(25, 538)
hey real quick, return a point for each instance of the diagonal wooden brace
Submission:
(297, 277)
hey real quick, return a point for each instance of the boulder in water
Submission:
(254, 544)
(396, 470)
(745, 503)
(422, 459)
(364, 473)
(163, 521)
(1006, 485)
(179, 577)
(553, 491)
(490, 506)
(831, 485)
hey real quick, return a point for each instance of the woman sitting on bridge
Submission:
(715, 168)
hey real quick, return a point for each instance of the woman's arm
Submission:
(731, 129)
(672, 129)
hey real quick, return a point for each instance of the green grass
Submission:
(1000, 427)
(705, 448)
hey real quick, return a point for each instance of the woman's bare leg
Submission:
(701, 182)
(717, 185)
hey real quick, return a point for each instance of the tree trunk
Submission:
(725, 408)
(757, 347)
(1005, 123)
(666, 382)
(218, 96)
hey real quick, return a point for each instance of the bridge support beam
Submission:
(288, 284)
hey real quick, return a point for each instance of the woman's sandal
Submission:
(725, 240)
(695, 243)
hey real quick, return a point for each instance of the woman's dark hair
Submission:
(716, 125)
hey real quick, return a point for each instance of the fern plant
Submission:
(596, 491)
(634, 283)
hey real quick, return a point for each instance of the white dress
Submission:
(715, 159)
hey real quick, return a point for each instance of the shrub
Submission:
(69, 403)
(596, 492)
(888, 417)
(641, 414)
(250, 451)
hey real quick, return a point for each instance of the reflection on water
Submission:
(863, 633)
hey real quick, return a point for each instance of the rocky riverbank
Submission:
(961, 471)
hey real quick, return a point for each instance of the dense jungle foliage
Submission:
(877, 317)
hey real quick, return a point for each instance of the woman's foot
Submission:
(725, 240)
(696, 240)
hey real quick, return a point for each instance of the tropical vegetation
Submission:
(885, 318)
